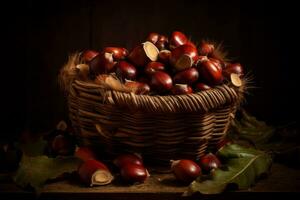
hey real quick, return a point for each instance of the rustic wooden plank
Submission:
(164, 186)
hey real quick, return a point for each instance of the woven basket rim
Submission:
(202, 101)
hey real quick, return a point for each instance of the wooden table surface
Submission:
(158, 186)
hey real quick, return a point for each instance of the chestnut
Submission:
(199, 59)
(93, 172)
(162, 42)
(85, 153)
(235, 68)
(138, 87)
(125, 159)
(118, 53)
(153, 37)
(202, 86)
(161, 81)
(177, 39)
(206, 48)
(181, 89)
(185, 170)
(191, 44)
(134, 173)
(63, 145)
(187, 76)
(143, 53)
(209, 162)
(102, 63)
(210, 72)
(183, 57)
(125, 70)
(153, 67)
(219, 63)
(93, 59)
(164, 56)
(89, 55)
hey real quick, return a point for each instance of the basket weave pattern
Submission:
(159, 127)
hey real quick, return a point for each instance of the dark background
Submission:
(38, 36)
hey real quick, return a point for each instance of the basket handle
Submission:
(102, 131)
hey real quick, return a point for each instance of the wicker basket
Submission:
(159, 127)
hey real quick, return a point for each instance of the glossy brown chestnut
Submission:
(219, 63)
(63, 145)
(161, 81)
(85, 153)
(235, 68)
(89, 55)
(202, 86)
(187, 76)
(210, 72)
(185, 170)
(138, 87)
(177, 39)
(183, 57)
(179, 89)
(153, 67)
(206, 48)
(152, 37)
(164, 56)
(118, 53)
(134, 173)
(199, 59)
(125, 70)
(93, 172)
(103, 63)
(162, 42)
(143, 53)
(209, 162)
(191, 44)
(124, 159)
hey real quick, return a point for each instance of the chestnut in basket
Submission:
(183, 57)
(202, 86)
(153, 37)
(210, 72)
(162, 42)
(187, 76)
(191, 44)
(161, 82)
(206, 48)
(138, 87)
(164, 56)
(181, 89)
(235, 68)
(102, 63)
(118, 53)
(185, 170)
(177, 39)
(143, 53)
(153, 67)
(125, 70)
(93, 172)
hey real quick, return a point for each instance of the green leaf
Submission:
(35, 171)
(244, 167)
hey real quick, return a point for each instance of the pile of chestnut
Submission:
(132, 170)
(163, 65)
